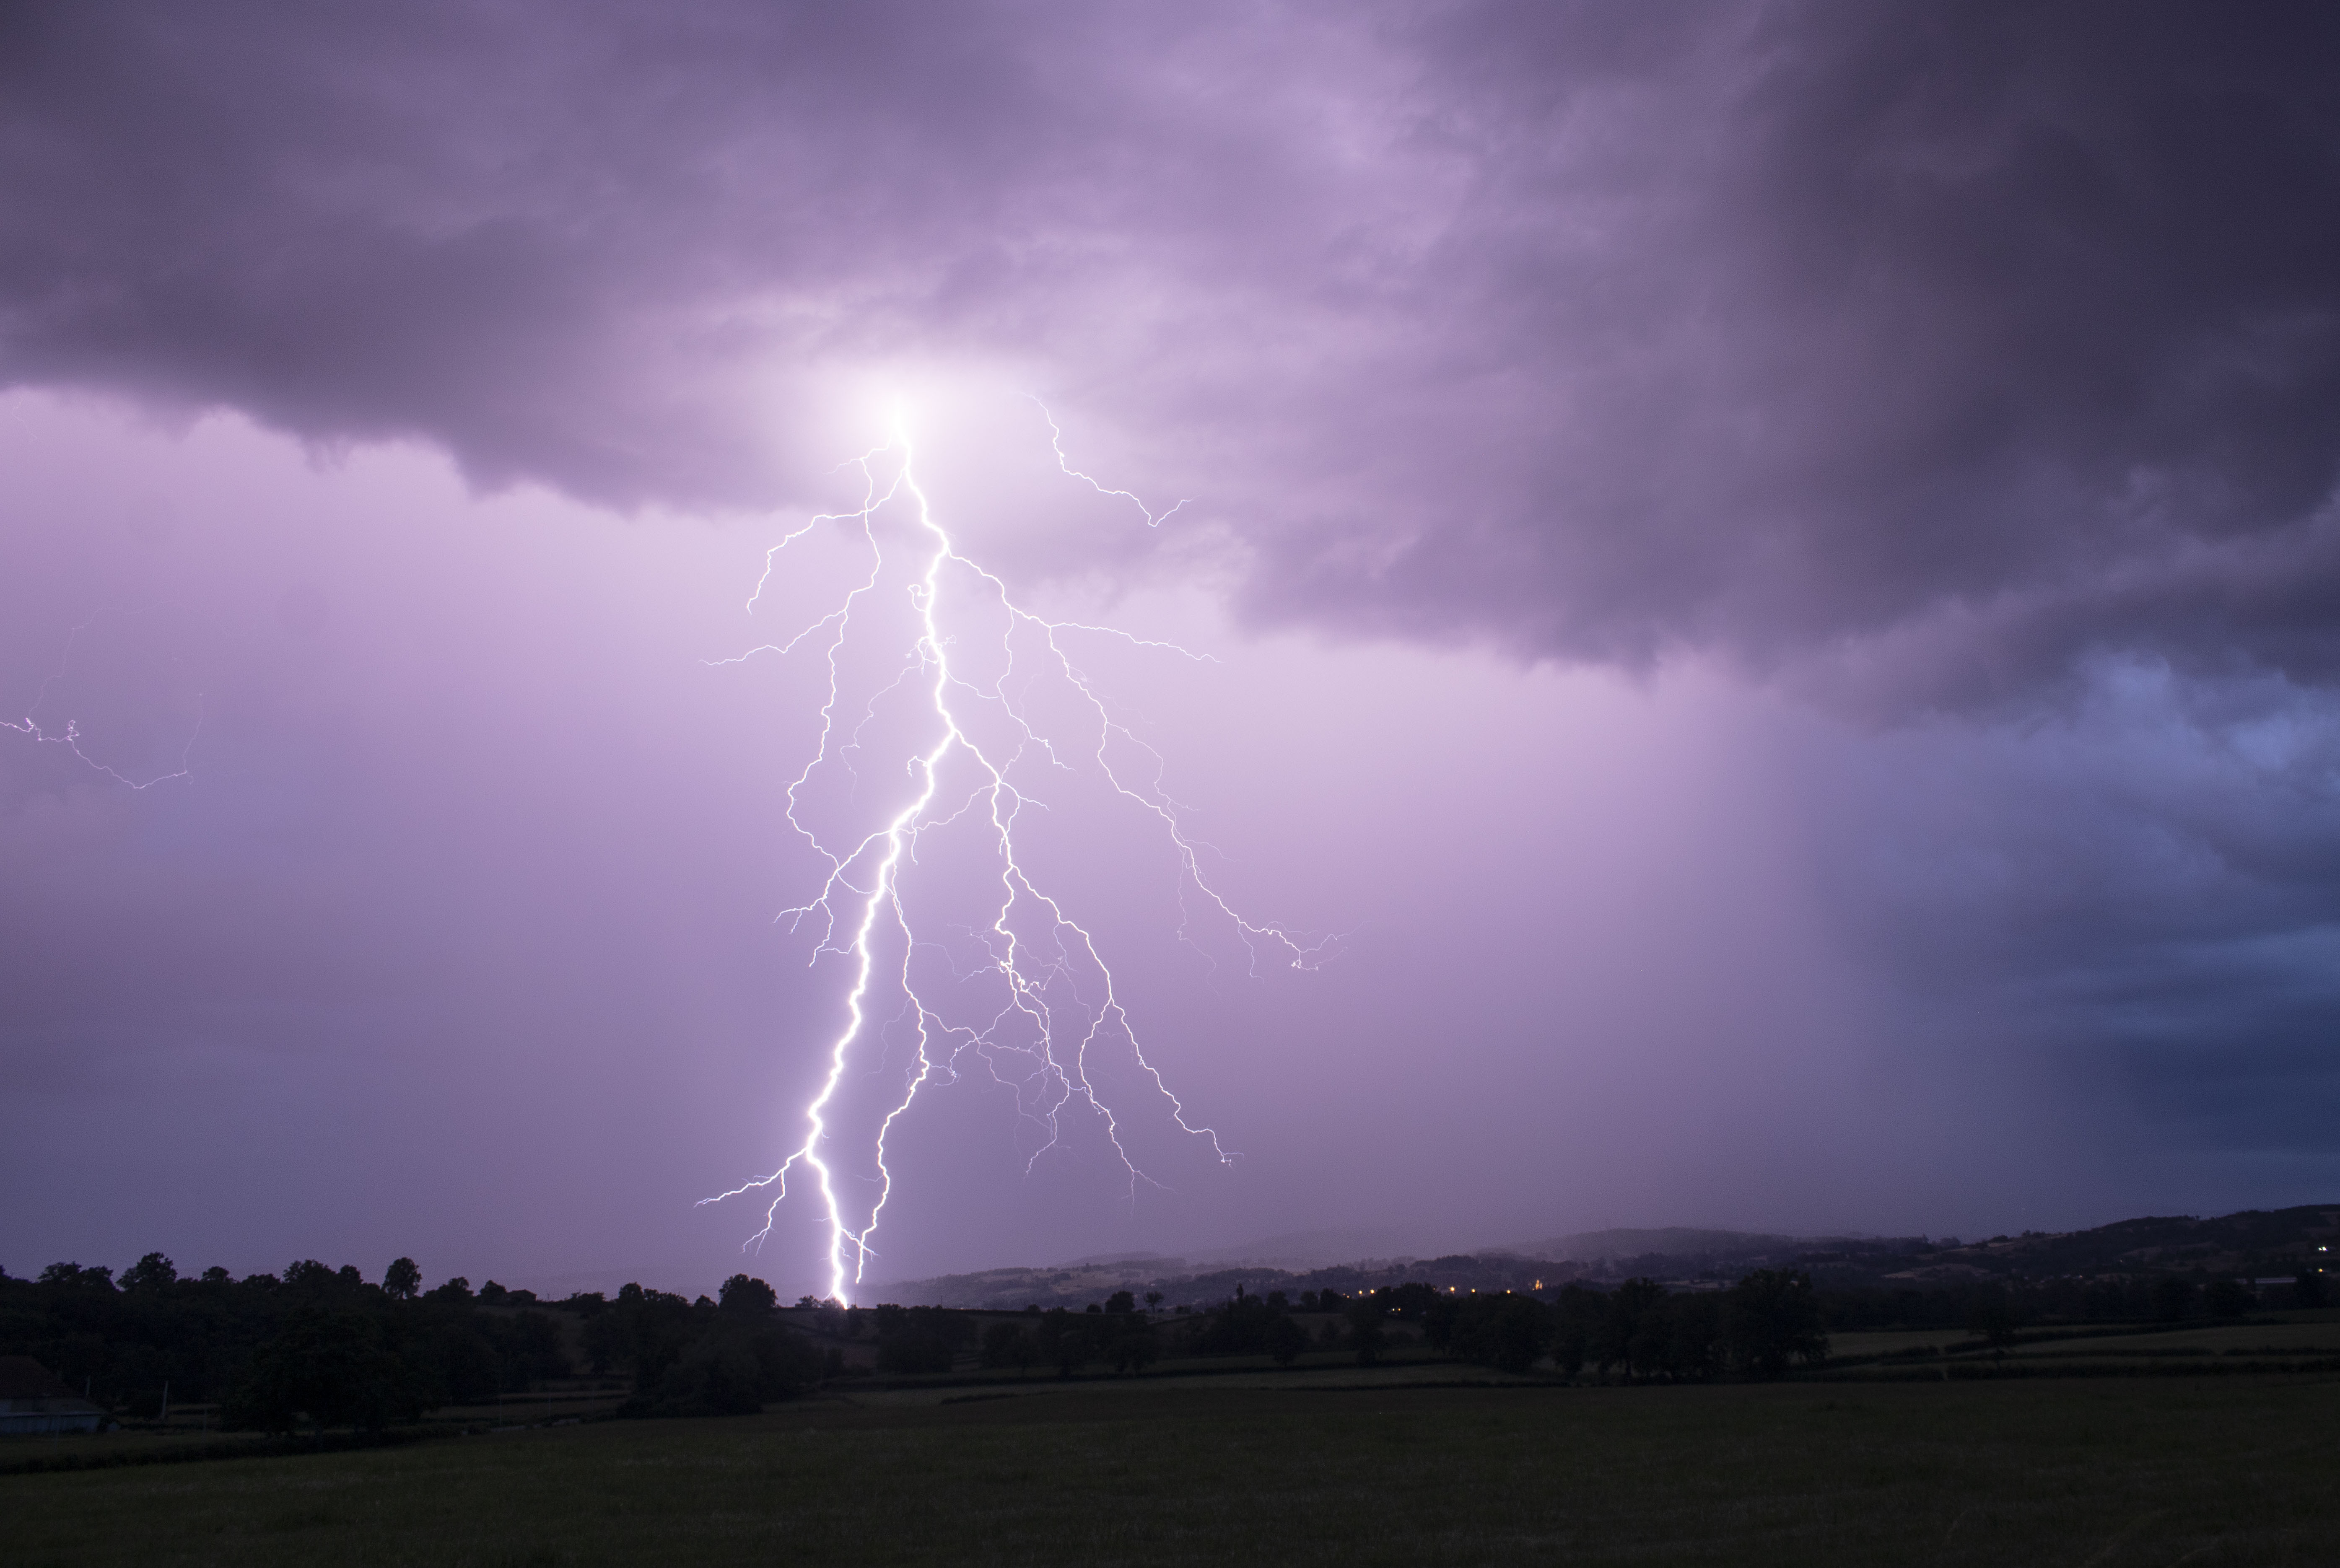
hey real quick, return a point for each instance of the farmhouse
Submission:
(35, 1399)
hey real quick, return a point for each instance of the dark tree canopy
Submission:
(741, 1295)
(402, 1281)
(1773, 1318)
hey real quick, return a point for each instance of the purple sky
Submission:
(1775, 568)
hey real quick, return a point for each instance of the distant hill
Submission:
(2256, 1242)
(1303, 1249)
(1671, 1241)
(2253, 1244)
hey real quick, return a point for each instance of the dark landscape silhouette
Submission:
(318, 1348)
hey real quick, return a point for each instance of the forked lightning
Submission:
(1051, 1003)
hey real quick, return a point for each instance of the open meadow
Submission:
(2105, 1471)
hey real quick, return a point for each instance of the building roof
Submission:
(22, 1377)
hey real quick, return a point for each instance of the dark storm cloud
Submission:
(1970, 338)
(477, 223)
(2019, 313)
(1977, 360)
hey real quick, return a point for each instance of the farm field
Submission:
(1311, 1374)
(1889, 1342)
(2303, 1341)
(2273, 1338)
(2110, 1471)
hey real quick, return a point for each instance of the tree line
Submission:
(327, 1346)
(1759, 1327)
(316, 1340)
(729, 1356)
(1979, 1304)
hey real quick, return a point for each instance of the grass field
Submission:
(2266, 1339)
(1887, 1342)
(2300, 1342)
(2107, 1473)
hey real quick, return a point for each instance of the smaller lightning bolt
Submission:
(69, 736)
(1056, 440)
(1053, 1001)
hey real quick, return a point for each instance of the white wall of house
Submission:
(29, 1416)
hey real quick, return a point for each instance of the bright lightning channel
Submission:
(70, 736)
(1055, 1002)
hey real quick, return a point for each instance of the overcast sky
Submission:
(1771, 575)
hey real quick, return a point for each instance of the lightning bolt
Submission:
(69, 736)
(1057, 442)
(1049, 1003)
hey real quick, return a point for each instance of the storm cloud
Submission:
(1942, 347)
(1933, 412)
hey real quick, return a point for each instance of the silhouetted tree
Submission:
(1576, 1321)
(1992, 1319)
(1131, 1345)
(1770, 1319)
(153, 1272)
(402, 1281)
(1438, 1318)
(527, 1348)
(1064, 1340)
(751, 1297)
(73, 1275)
(1501, 1330)
(734, 1365)
(1286, 1340)
(1367, 1336)
(1236, 1328)
(1009, 1344)
(322, 1343)
(1621, 1322)
(644, 1331)
(331, 1367)
(920, 1338)
(1650, 1349)
(1694, 1348)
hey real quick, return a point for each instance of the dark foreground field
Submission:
(2107, 1473)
